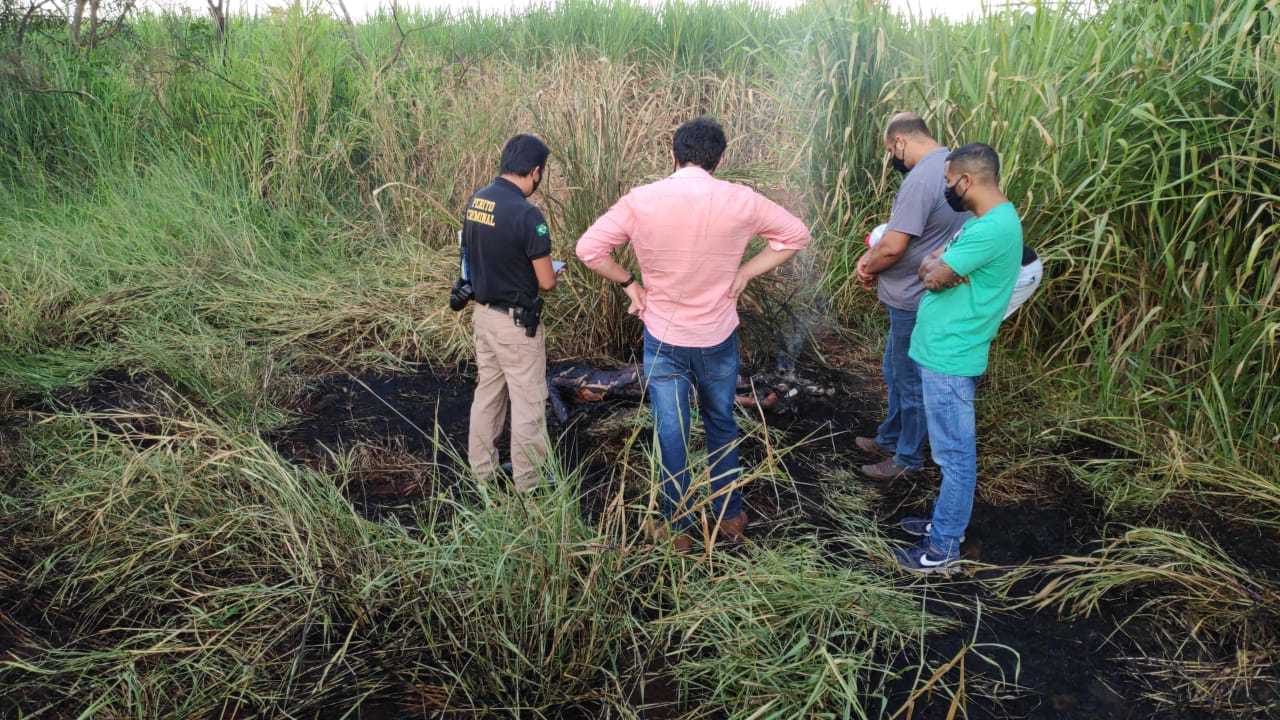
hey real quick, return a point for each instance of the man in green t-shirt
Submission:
(968, 284)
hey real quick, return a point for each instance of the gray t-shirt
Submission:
(921, 211)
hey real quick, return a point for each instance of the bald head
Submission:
(907, 125)
(907, 139)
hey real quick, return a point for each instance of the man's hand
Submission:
(764, 261)
(638, 295)
(609, 269)
(866, 279)
(880, 257)
(740, 282)
(935, 274)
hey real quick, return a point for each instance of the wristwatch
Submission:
(631, 277)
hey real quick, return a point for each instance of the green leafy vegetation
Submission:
(222, 220)
(1138, 143)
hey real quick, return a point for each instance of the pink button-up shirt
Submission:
(689, 232)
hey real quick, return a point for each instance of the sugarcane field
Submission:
(640, 359)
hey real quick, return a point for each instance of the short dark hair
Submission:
(699, 141)
(907, 124)
(977, 159)
(523, 154)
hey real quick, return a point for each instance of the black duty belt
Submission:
(527, 318)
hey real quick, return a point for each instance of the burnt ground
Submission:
(1064, 669)
(405, 427)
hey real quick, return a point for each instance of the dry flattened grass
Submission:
(609, 126)
(1213, 624)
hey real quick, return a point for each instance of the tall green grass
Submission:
(296, 192)
(237, 217)
(1138, 144)
(734, 36)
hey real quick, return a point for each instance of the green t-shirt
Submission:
(955, 327)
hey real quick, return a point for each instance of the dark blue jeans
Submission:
(673, 374)
(904, 428)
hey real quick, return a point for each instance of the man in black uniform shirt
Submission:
(508, 254)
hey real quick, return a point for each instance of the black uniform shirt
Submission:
(503, 233)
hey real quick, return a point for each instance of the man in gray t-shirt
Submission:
(920, 222)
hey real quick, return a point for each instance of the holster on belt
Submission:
(528, 316)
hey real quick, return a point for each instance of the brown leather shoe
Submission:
(733, 530)
(661, 532)
(871, 447)
(886, 469)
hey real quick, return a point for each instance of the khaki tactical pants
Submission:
(511, 370)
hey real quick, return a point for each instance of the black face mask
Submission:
(899, 164)
(954, 199)
(537, 182)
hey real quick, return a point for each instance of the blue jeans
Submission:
(948, 405)
(673, 373)
(903, 430)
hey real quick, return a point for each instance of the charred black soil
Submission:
(410, 411)
(404, 428)
(1051, 667)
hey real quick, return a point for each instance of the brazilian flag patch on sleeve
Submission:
(542, 230)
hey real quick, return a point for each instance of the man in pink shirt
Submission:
(689, 232)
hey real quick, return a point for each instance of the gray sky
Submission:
(947, 8)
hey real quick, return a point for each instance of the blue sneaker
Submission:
(918, 526)
(924, 559)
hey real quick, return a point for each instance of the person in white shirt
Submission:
(1029, 278)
